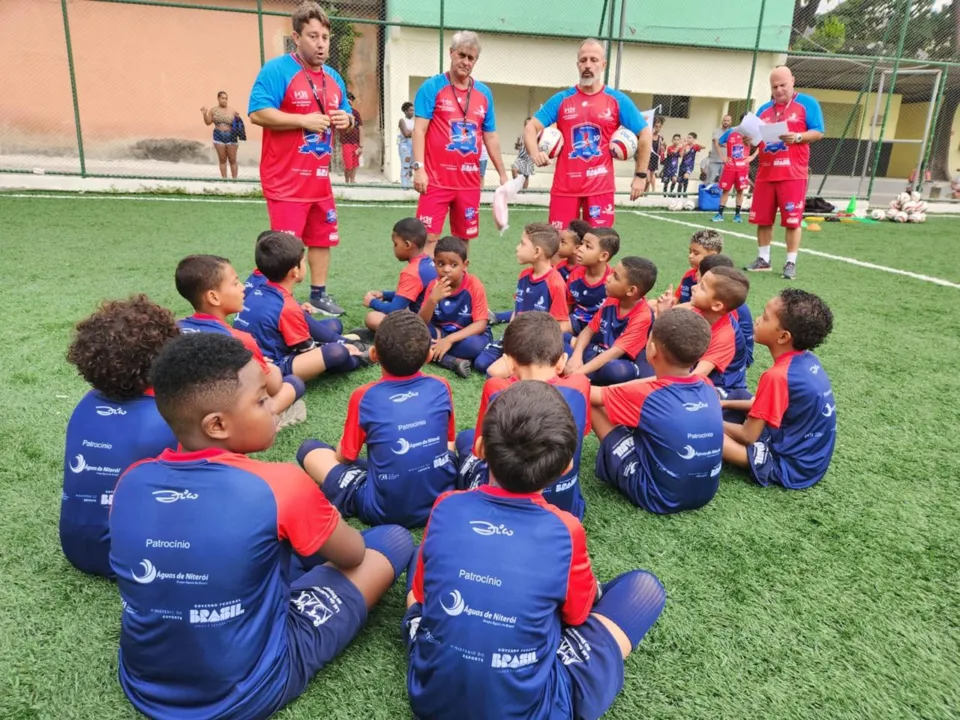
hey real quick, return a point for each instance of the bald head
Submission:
(591, 61)
(781, 84)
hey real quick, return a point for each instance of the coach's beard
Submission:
(588, 80)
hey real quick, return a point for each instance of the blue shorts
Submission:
(764, 467)
(326, 612)
(577, 324)
(588, 655)
(735, 416)
(342, 485)
(285, 364)
(224, 137)
(618, 465)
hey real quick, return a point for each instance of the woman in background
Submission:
(222, 118)
(405, 146)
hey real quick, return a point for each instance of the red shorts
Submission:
(464, 207)
(734, 177)
(315, 223)
(595, 209)
(788, 196)
(351, 160)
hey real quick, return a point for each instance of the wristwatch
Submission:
(642, 176)
(417, 165)
(798, 139)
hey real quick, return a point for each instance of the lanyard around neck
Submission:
(319, 97)
(463, 108)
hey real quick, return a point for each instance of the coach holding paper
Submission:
(784, 169)
(297, 101)
(587, 115)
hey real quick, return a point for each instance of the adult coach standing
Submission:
(454, 114)
(587, 115)
(784, 169)
(297, 101)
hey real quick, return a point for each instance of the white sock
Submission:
(792, 257)
(764, 251)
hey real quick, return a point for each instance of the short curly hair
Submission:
(709, 239)
(806, 317)
(402, 342)
(114, 348)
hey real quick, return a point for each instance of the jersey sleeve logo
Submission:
(463, 137)
(586, 142)
(316, 144)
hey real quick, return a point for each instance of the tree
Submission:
(804, 16)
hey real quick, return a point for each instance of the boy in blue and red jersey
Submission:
(702, 243)
(455, 309)
(211, 285)
(736, 171)
(534, 350)
(406, 420)
(661, 438)
(539, 287)
(277, 322)
(115, 425)
(409, 237)
(571, 238)
(586, 285)
(496, 626)
(791, 427)
(213, 624)
(688, 160)
(743, 315)
(610, 350)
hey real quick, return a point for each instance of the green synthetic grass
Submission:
(837, 602)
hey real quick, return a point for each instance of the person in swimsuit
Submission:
(224, 136)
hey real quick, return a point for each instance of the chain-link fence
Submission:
(116, 88)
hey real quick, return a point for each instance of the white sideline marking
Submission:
(817, 253)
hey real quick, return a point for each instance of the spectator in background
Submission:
(222, 118)
(523, 165)
(351, 144)
(405, 146)
(955, 186)
(483, 163)
(717, 156)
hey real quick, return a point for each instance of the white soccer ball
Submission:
(915, 196)
(877, 214)
(909, 207)
(915, 217)
(689, 205)
(895, 204)
(623, 144)
(892, 214)
(921, 206)
(901, 217)
(904, 198)
(550, 141)
(675, 205)
(922, 216)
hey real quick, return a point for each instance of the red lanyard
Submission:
(323, 84)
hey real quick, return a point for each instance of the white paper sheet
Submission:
(749, 127)
(771, 132)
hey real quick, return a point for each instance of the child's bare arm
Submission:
(745, 434)
(475, 328)
(737, 404)
(602, 359)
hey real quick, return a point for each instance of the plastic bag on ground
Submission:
(503, 196)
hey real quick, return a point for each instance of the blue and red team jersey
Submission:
(406, 423)
(467, 305)
(295, 164)
(688, 157)
(737, 150)
(629, 330)
(275, 319)
(256, 279)
(201, 322)
(779, 161)
(671, 163)
(584, 298)
(414, 279)
(547, 293)
(684, 289)
(565, 492)
(745, 320)
(728, 353)
(492, 606)
(201, 545)
(587, 122)
(564, 268)
(458, 120)
(677, 438)
(104, 438)
(795, 400)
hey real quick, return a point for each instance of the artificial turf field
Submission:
(841, 601)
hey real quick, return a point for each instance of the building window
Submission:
(673, 106)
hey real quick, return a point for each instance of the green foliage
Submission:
(873, 27)
(828, 36)
(344, 35)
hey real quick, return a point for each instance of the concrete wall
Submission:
(911, 123)
(847, 99)
(523, 72)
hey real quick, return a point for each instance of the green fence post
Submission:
(933, 129)
(613, 11)
(756, 49)
(603, 14)
(73, 88)
(441, 35)
(260, 29)
(893, 84)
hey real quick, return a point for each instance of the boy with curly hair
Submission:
(115, 425)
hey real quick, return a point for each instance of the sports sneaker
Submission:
(362, 334)
(463, 368)
(326, 305)
(492, 318)
(293, 415)
(358, 344)
(364, 360)
(758, 265)
(718, 217)
(737, 218)
(789, 271)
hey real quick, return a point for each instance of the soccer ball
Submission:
(675, 205)
(904, 198)
(921, 206)
(915, 196)
(689, 205)
(895, 204)
(877, 214)
(623, 144)
(892, 214)
(915, 217)
(909, 207)
(550, 141)
(901, 217)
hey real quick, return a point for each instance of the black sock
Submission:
(738, 209)
(317, 290)
(722, 208)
